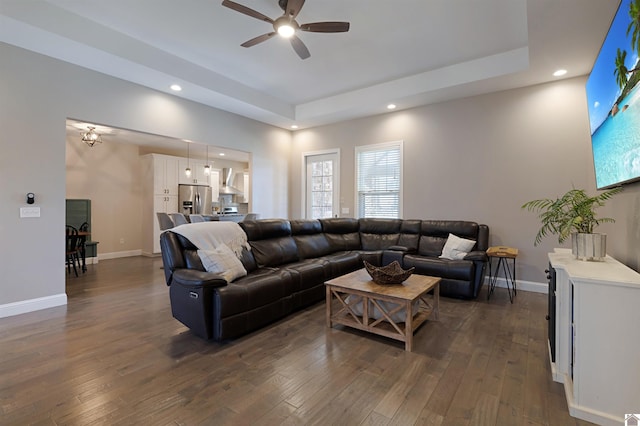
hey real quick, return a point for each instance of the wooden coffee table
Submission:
(356, 291)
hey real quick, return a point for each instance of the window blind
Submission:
(378, 180)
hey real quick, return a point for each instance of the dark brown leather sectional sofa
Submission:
(290, 260)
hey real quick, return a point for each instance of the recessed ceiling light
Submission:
(294, 126)
(391, 106)
(176, 87)
(559, 73)
(221, 154)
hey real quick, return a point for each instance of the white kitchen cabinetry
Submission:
(215, 184)
(159, 179)
(597, 343)
(165, 174)
(245, 187)
(198, 177)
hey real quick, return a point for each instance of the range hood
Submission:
(227, 181)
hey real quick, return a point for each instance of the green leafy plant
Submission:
(573, 212)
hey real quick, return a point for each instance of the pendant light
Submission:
(91, 137)
(187, 171)
(207, 167)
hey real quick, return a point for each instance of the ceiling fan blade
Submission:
(246, 10)
(299, 47)
(325, 27)
(259, 39)
(293, 7)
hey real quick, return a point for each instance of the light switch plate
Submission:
(29, 211)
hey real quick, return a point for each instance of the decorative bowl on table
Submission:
(390, 274)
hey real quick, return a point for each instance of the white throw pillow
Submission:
(456, 248)
(223, 261)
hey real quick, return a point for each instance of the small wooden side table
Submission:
(503, 254)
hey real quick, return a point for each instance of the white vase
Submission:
(591, 247)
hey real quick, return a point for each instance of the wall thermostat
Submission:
(30, 198)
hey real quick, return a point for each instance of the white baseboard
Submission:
(148, 254)
(531, 286)
(24, 306)
(118, 254)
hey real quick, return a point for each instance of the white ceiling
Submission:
(409, 52)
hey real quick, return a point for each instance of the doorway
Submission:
(322, 184)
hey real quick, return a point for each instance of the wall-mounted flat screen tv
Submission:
(613, 95)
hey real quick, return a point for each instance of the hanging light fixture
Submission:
(187, 171)
(91, 137)
(207, 167)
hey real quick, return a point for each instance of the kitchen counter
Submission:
(233, 217)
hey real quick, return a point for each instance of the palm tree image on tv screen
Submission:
(613, 96)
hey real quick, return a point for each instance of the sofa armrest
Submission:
(195, 278)
(394, 253)
(478, 255)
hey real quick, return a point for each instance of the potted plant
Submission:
(574, 214)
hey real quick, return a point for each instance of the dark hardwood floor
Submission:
(114, 355)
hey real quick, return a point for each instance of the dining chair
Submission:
(250, 216)
(196, 218)
(165, 221)
(178, 218)
(72, 249)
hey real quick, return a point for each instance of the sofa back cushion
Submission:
(410, 234)
(434, 234)
(379, 234)
(271, 241)
(341, 233)
(311, 242)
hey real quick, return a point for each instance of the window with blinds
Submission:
(379, 180)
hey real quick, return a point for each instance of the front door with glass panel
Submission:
(322, 186)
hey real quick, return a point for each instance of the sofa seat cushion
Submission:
(308, 273)
(443, 268)
(261, 287)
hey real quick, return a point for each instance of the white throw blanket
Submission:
(210, 235)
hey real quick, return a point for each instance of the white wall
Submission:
(37, 95)
(480, 159)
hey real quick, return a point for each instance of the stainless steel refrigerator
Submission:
(194, 199)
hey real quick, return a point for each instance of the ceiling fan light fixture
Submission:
(286, 31)
(285, 27)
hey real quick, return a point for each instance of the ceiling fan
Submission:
(286, 25)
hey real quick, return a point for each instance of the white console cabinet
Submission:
(597, 337)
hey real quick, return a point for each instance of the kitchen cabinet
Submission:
(159, 182)
(243, 185)
(215, 184)
(198, 176)
(595, 320)
(165, 174)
